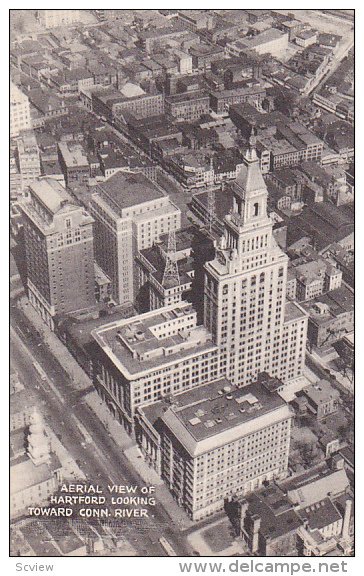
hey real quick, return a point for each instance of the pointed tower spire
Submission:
(171, 273)
(251, 154)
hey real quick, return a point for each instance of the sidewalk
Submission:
(58, 349)
(70, 469)
(81, 381)
(150, 477)
(111, 425)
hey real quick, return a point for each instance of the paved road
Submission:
(101, 461)
(342, 52)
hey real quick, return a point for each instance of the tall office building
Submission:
(245, 287)
(19, 111)
(130, 213)
(249, 328)
(58, 238)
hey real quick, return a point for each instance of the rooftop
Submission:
(321, 392)
(321, 514)
(217, 413)
(154, 339)
(187, 96)
(127, 190)
(51, 194)
(307, 494)
(293, 312)
(24, 473)
(336, 302)
(275, 510)
(73, 154)
(266, 36)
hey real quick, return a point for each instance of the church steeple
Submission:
(251, 153)
(38, 442)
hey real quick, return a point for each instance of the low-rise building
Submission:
(187, 106)
(204, 54)
(266, 521)
(305, 38)
(251, 92)
(55, 18)
(74, 163)
(322, 399)
(271, 41)
(314, 277)
(112, 103)
(331, 316)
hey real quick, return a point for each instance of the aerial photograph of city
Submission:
(181, 282)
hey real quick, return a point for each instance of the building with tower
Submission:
(35, 472)
(248, 327)
(58, 238)
(245, 289)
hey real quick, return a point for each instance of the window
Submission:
(256, 209)
(68, 222)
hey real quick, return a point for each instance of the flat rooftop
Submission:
(73, 154)
(321, 392)
(149, 341)
(267, 36)
(223, 406)
(293, 311)
(187, 97)
(127, 190)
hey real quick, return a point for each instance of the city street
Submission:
(345, 46)
(101, 460)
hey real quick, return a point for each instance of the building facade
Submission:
(188, 106)
(217, 440)
(19, 111)
(28, 159)
(130, 213)
(245, 289)
(74, 163)
(58, 237)
(55, 18)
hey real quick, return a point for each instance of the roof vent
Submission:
(194, 421)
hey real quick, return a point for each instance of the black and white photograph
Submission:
(181, 286)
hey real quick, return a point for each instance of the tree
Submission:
(307, 452)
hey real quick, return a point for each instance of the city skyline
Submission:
(182, 282)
